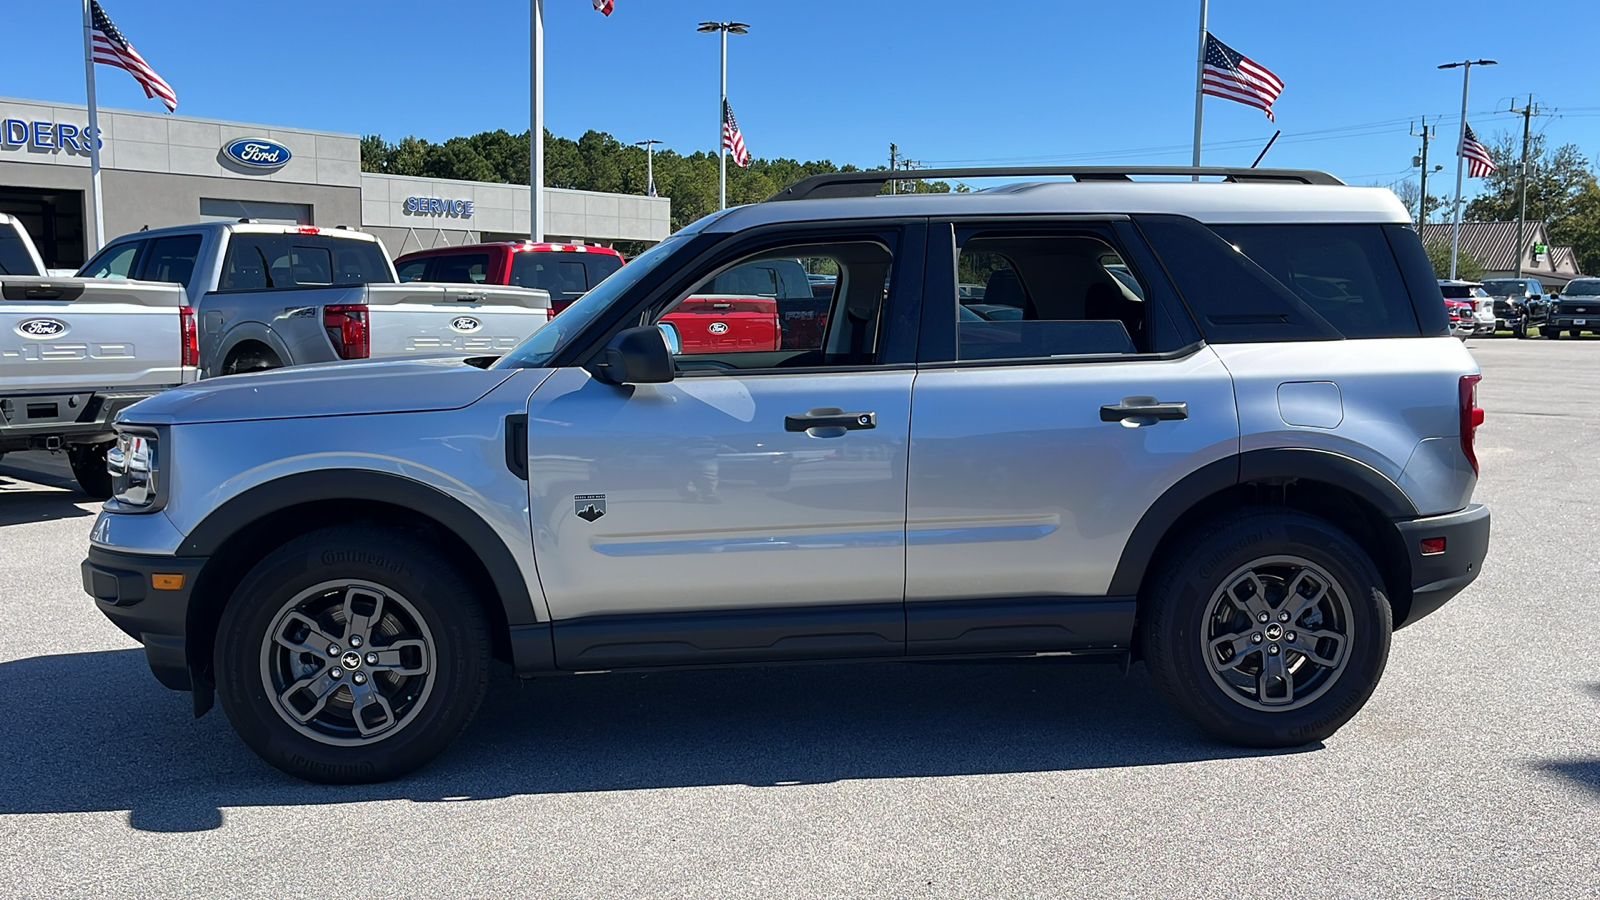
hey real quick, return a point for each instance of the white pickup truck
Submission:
(74, 352)
(280, 295)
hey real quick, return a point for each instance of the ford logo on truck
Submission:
(465, 324)
(258, 153)
(41, 328)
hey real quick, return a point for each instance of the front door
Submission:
(1059, 395)
(753, 508)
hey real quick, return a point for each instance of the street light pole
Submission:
(722, 103)
(1466, 75)
(649, 164)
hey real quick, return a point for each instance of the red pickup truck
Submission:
(762, 305)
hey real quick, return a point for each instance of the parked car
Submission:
(1575, 310)
(75, 352)
(268, 296)
(565, 271)
(1520, 304)
(1247, 473)
(1480, 317)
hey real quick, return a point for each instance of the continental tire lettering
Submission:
(335, 557)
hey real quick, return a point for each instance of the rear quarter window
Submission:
(258, 262)
(1347, 274)
(14, 258)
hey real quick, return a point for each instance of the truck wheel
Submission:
(1519, 330)
(1575, 332)
(1551, 333)
(350, 655)
(88, 463)
(246, 359)
(1267, 627)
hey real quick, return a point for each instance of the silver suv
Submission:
(1225, 432)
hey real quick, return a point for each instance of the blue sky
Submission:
(1023, 82)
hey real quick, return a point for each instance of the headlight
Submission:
(135, 467)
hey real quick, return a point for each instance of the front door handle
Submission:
(1144, 408)
(831, 417)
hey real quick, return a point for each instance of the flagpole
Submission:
(1461, 141)
(536, 126)
(1199, 85)
(94, 134)
(722, 123)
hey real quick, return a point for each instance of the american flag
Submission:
(111, 48)
(1231, 75)
(732, 139)
(603, 7)
(1479, 165)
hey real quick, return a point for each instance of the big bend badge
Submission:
(589, 507)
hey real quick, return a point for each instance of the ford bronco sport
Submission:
(1228, 434)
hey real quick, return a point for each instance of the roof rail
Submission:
(867, 184)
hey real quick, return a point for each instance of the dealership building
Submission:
(159, 170)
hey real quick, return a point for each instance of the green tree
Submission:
(1468, 267)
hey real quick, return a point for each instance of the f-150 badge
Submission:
(589, 506)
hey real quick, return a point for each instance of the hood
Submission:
(332, 389)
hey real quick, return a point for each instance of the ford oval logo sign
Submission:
(258, 153)
(465, 324)
(41, 328)
(718, 328)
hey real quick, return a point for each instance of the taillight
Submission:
(1471, 417)
(346, 325)
(191, 336)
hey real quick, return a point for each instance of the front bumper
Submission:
(1437, 577)
(121, 586)
(1569, 320)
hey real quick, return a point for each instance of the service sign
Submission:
(258, 153)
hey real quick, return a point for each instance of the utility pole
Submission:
(1527, 113)
(892, 151)
(1422, 204)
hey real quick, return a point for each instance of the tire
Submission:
(1551, 333)
(245, 361)
(1188, 611)
(1575, 332)
(88, 463)
(1519, 330)
(426, 655)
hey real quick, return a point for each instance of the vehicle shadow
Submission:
(128, 744)
(1586, 772)
(22, 501)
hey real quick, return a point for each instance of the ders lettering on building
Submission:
(45, 135)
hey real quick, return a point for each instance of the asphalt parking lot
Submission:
(1473, 772)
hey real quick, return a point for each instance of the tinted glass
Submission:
(411, 270)
(1583, 289)
(1346, 273)
(115, 261)
(269, 261)
(1504, 288)
(459, 268)
(171, 259)
(600, 266)
(1047, 296)
(14, 258)
(565, 275)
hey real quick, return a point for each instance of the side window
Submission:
(411, 270)
(460, 268)
(267, 261)
(1346, 273)
(171, 259)
(761, 312)
(115, 261)
(1023, 296)
(600, 266)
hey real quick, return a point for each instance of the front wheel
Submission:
(88, 462)
(351, 655)
(1551, 333)
(1267, 627)
(1520, 329)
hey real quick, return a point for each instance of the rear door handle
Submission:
(1144, 408)
(831, 417)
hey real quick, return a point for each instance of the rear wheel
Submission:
(1268, 628)
(88, 463)
(351, 655)
(250, 358)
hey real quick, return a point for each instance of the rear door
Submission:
(1038, 442)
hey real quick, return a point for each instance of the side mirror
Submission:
(634, 356)
(669, 332)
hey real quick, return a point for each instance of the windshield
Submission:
(1504, 288)
(545, 343)
(1583, 289)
